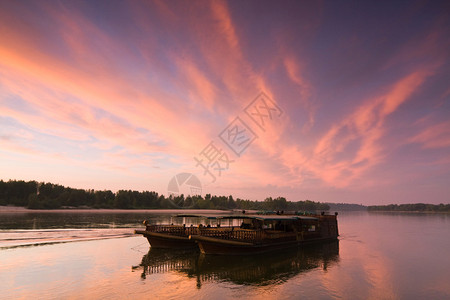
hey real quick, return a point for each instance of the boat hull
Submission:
(216, 246)
(166, 241)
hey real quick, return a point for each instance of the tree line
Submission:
(346, 207)
(34, 195)
(419, 207)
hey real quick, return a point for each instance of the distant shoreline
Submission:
(21, 209)
(409, 212)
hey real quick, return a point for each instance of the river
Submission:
(95, 255)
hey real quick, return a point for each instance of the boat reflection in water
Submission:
(259, 270)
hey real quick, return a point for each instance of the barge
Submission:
(255, 234)
(172, 236)
(260, 234)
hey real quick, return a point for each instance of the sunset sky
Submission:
(126, 95)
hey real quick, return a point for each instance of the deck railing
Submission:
(180, 230)
(233, 233)
(177, 230)
(229, 233)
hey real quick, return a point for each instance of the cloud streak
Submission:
(144, 89)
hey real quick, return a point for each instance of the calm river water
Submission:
(95, 255)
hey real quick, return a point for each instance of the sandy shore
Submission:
(13, 209)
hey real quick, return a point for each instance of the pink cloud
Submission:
(294, 71)
(198, 86)
(96, 88)
(131, 100)
(435, 136)
(352, 146)
(14, 146)
(95, 85)
(225, 26)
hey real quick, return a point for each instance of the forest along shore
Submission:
(36, 195)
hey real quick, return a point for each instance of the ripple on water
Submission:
(25, 238)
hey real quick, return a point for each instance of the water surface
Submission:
(378, 256)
